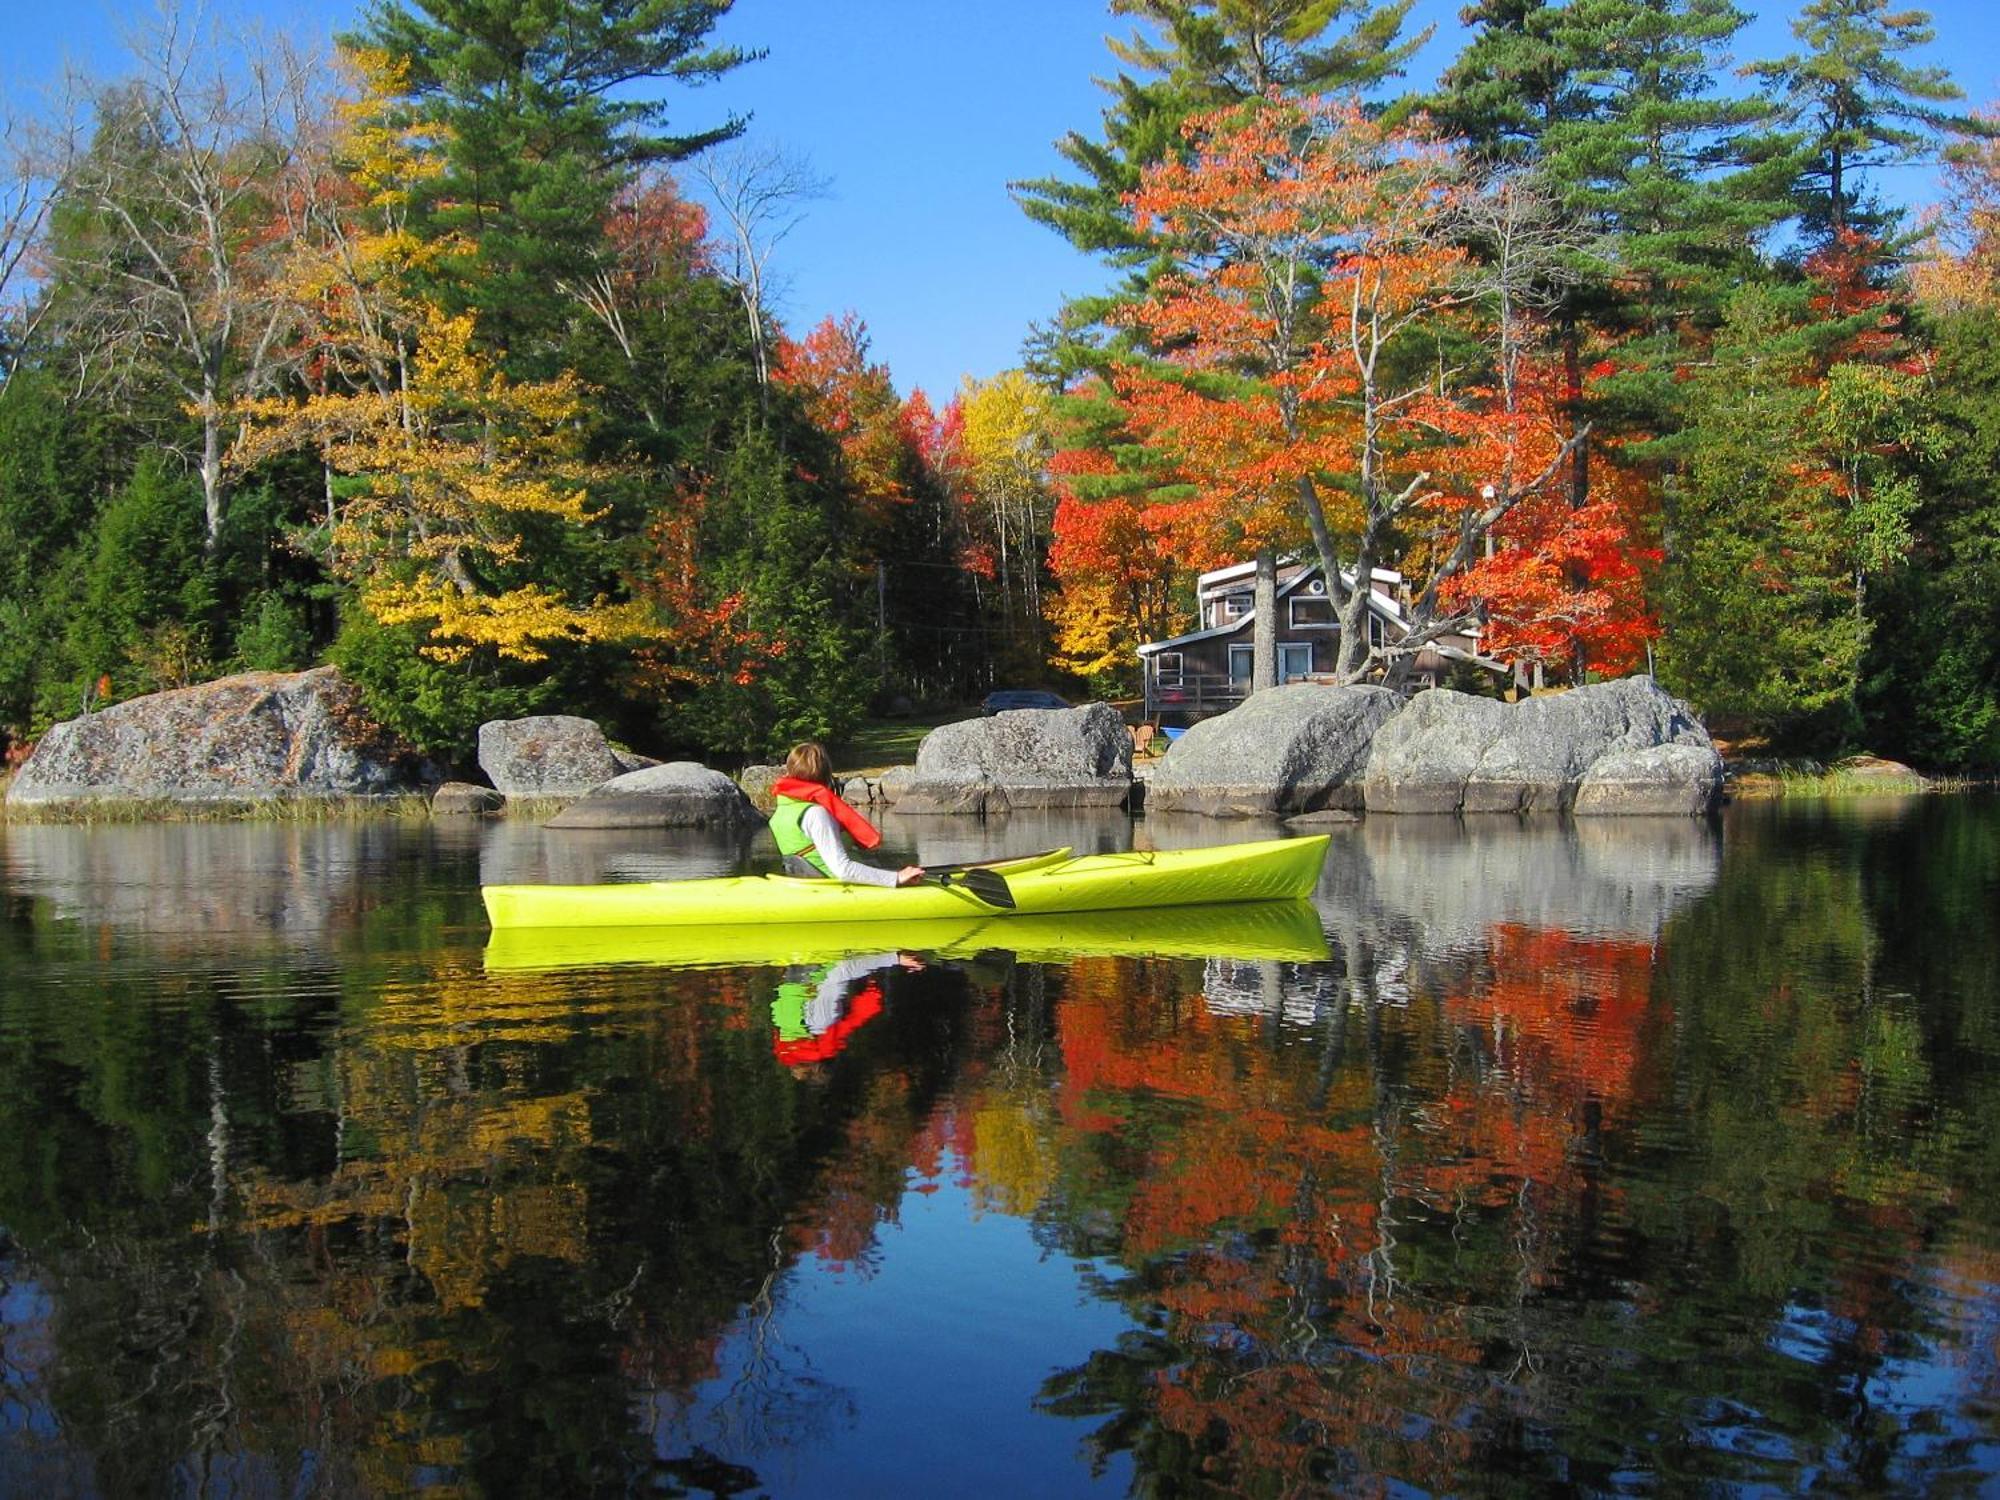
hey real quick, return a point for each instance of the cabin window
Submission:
(1235, 606)
(1374, 630)
(1295, 661)
(1242, 664)
(1167, 668)
(1311, 612)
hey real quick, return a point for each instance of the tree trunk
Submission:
(1579, 468)
(211, 470)
(1264, 631)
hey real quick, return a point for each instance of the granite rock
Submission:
(255, 737)
(548, 755)
(1022, 759)
(1286, 750)
(1450, 752)
(464, 798)
(1661, 780)
(679, 794)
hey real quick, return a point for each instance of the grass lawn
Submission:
(881, 743)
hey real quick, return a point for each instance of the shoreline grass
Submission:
(400, 807)
(1835, 783)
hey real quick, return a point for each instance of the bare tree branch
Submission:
(760, 191)
(175, 272)
(36, 160)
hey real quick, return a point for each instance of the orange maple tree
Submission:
(854, 402)
(1302, 389)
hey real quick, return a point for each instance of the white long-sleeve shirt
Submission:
(825, 834)
(829, 1001)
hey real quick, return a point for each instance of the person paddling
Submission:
(811, 818)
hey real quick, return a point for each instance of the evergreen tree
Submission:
(54, 467)
(1795, 502)
(1513, 81)
(1858, 105)
(1758, 626)
(1667, 186)
(145, 593)
(541, 127)
(775, 540)
(1208, 53)
(1933, 673)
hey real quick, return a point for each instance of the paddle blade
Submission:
(981, 885)
(989, 886)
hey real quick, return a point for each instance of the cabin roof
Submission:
(1290, 569)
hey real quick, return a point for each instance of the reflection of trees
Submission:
(426, 1226)
(1558, 1210)
(1705, 1190)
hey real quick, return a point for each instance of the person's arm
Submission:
(825, 834)
(829, 1004)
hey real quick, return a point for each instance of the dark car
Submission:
(1008, 698)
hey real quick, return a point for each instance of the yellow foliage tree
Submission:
(451, 458)
(1004, 449)
(1093, 633)
(453, 465)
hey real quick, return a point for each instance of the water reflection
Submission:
(1557, 1157)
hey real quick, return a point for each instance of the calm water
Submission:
(1643, 1158)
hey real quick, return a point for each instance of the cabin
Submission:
(1208, 670)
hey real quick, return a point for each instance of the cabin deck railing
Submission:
(1202, 695)
(1192, 695)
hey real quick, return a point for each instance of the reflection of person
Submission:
(811, 817)
(814, 1015)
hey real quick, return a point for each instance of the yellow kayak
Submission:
(1273, 870)
(1287, 930)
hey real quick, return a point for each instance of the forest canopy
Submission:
(446, 353)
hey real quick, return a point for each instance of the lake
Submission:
(1583, 1158)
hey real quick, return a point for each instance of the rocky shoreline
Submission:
(1305, 751)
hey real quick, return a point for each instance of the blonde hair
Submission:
(810, 762)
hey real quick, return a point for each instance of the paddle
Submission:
(984, 885)
(998, 859)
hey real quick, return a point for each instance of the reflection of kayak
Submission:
(1275, 870)
(1242, 929)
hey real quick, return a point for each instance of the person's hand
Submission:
(909, 874)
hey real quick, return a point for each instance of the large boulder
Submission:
(1663, 780)
(1422, 758)
(1449, 752)
(1873, 773)
(1295, 749)
(679, 794)
(256, 737)
(549, 755)
(1024, 758)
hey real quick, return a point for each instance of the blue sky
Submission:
(921, 112)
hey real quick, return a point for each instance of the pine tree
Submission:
(1932, 681)
(1666, 185)
(1514, 80)
(1208, 54)
(1858, 105)
(536, 112)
